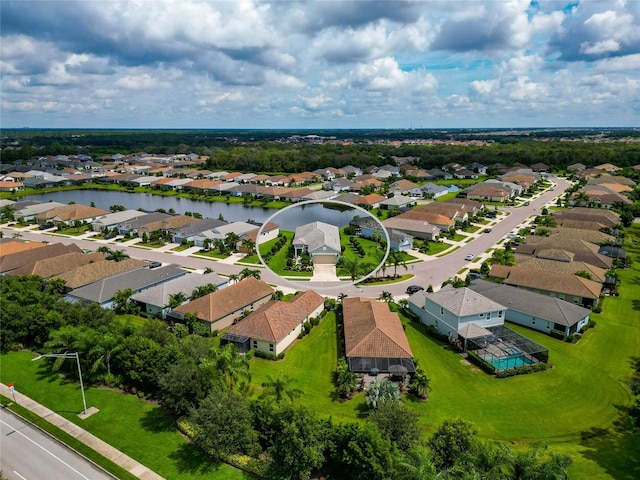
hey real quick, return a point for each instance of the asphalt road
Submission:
(28, 454)
(432, 272)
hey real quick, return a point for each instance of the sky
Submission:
(319, 64)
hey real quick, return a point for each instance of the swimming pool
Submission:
(507, 363)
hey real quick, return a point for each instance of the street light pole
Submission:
(68, 355)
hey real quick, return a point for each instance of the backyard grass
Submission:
(458, 237)
(124, 421)
(374, 253)
(279, 261)
(447, 196)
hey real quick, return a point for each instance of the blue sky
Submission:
(319, 64)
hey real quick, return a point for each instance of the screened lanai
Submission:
(505, 349)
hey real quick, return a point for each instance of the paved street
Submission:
(431, 272)
(28, 454)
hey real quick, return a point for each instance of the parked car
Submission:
(487, 230)
(474, 275)
(46, 226)
(526, 204)
(512, 235)
(471, 256)
(411, 289)
(154, 264)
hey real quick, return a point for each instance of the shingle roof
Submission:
(9, 246)
(19, 259)
(71, 212)
(537, 263)
(426, 216)
(531, 303)
(318, 234)
(275, 320)
(49, 267)
(219, 304)
(104, 290)
(463, 302)
(372, 330)
(159, 295)
(93, 272)
(553, 282)
(410, 225)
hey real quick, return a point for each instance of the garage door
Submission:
(324, 259)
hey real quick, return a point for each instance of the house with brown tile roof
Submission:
(369, 201)
(489, 194)
(10, 186)
(605, 217)
(374, 337)
(580, 224)
(273, 327)
(402, 187)
(443, 222)
(50, 267)
(221, 309)
(67, 214)
(16, 260)
(416, 228)
(9, 246)
(592, 236)
(93, 272)
(453, 211)
(168, 224)
(564, 286)
(608, 167)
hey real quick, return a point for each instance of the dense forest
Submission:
(278, 151)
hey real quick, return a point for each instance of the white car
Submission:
(512, 235)
(471, 256)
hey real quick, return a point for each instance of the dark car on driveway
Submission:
(411, 289)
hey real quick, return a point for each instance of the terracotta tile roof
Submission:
(591, 236)
(203, 184)
(449, 210)
(487, 191)
(92, 272)
(49, 267)
(19, 259)
(253, 234)
(219, 304)
(370, 199)
(372, 330)
(275, 320)
(580, 224)
(168, 223)
(10, 246)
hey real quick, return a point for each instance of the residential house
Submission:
(167, 225)
(113, 220)
(321, 240)
(439, 174)
(10, 186)
(13, 261)
(450, 310)
(222, 308)
(141, 221)
(489, 193)
(29, 212)
(370, 201)
(576, 167)
(220, 233)
(398, 201)
(605, 217)
(103, 291)
(68, 214)
(402, 187)
(189, 232)
(9, 246)
(430, 190)
(339, 185)
(273, 327)
(564, 286)
(540, 167)
(415, 228)
(375, 341)
(49, 267)
(156, 300)
(268, 231)
(94, 271)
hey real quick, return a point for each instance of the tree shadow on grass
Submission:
(635, 304)
(156, 420)
(615, 452)
(191, 459)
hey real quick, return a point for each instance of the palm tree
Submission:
(231, 240)
(280, 388)
(122, 301)
(203, 290)
(16, 235)
(117, 255)
(176, 299)
(396, 258)
(352, 266)
(233, 278)
(386, 297)
(248, 272)
(231, 365)
(342, 296)
(250, 245)
(420, 384)
(416, 465)
(108, 345)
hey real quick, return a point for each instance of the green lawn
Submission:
(74, 231)
(374, 253)
(438, 247)
(124, 421)
(279, 261)
(447, 196)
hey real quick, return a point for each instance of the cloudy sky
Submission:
(319, 64)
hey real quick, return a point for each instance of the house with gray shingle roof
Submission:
(155, 300)
(374, 337)
(138, 280)
(274, 326)
(321, 240)
(112, 220)
(450, 309)
(532, 310)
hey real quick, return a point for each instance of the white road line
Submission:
(41, 447)
(19, 475)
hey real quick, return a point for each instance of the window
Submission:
(500, 314)
(271, 347)
(255, 344)
(575, 300)
(441, 310)
(553, 294)
(561, 296)
(481, 315)
(533, 321)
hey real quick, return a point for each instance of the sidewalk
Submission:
(103, 448)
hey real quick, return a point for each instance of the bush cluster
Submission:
(536, 367)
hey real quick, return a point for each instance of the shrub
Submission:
(140, 394)
(557, 334)
(537, 367)
(483, 364)
(433, 332)
(307, 327)
(301, 335)
(315, 321)
(597, 309)
(265, 355)
(250, 354)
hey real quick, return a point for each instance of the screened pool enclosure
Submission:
(505, 349)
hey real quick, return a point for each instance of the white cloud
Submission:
(605, 46)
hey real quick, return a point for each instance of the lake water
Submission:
(288, 219)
